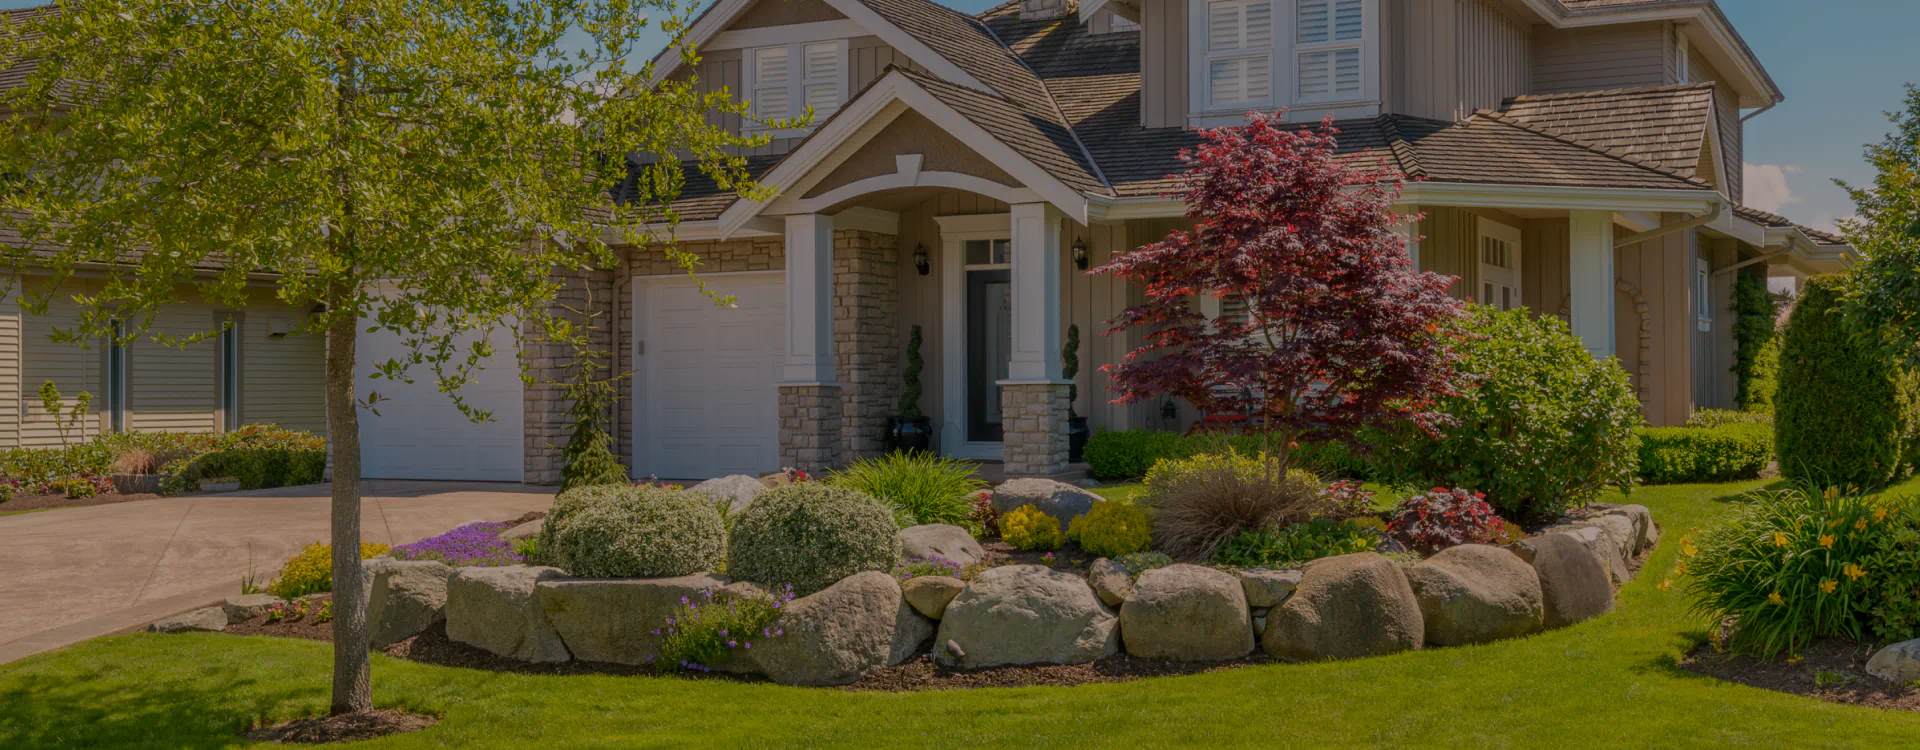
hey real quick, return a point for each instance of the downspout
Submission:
(1719, 207)
(1751, 261)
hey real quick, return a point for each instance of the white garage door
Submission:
(705, 377)
(420, 434)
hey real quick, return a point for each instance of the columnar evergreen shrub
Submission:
(1543, 427)
(638, 532)
(1757, 358)
(811, 534)
(1844, 414)
(1673, 455)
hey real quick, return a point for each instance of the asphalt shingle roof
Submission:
(1663, 125)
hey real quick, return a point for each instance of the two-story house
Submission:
(1581, 158)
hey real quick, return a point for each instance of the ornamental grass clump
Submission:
(703, 632)
(1442, 518)
(1200, 503)
(1790, 566)
(928, 488)
(634, 532)
(811, 534)
(472, 545)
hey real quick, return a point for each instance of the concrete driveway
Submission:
(70, 574)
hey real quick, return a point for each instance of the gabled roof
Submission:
(1662, 125)
(1776, 221)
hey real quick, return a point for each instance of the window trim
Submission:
(797, 83)
(1486, 229)
(1284, 73)
(229, 374)
(1703, 293)
(116, 379)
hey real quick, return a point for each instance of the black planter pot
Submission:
(1077, 434)
(910, 434)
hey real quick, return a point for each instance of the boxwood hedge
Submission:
(1677, 455)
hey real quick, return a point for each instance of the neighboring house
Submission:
(1581, 158)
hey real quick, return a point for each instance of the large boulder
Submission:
(617, 619)
(404, 597)
(1346, 607)
(1899, 663)
(1645, 532)
(910, 631)
(1025, 614)
(1601, 543)
(1268, 588)
(528, 530)
(1110, 581)
(1574, 584)
(1187, 613)
(498, 609)
(1476, 594)
(208, 619)
(930, 595)
(1058, 499)
(248, 606)
(836, 635)
(945, 541)
(738, 490)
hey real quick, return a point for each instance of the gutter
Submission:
(1758, 112)
(1709, 217)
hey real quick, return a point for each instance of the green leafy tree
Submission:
(421, 167)
(1756, 361)
(1884, 289)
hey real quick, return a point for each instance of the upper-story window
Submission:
(783, 80)
(1259, 54)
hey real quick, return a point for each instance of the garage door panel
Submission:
(420, 434)
(708, 403)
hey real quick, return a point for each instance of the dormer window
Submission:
(1312, 55)
(783, 80)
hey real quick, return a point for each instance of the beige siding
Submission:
(920, 295)
(1090, 302)
(282, 379)
(1726, 109)
(1446, 58)
(174, 389)
(1714, 384)
(10, 391)
(1606, 57)
(1659, 271)
(1163, 63)
(72, 368)
(869, 59)
(1448, 237)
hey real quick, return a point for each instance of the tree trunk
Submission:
(352, 674)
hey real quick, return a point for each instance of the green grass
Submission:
(1610, 682)
(23, 512)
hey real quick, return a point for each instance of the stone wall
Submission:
(866, 338)
(549, 364)
(810, 427)
(1035, 418)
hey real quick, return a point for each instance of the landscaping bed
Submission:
(48, 502)
(1831, 670)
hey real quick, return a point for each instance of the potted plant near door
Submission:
(1077, 431)
(910, 431)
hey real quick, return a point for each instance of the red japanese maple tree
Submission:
(1340, 331)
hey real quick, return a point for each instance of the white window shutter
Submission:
(1240, 43)
(1314, 20)
(823, 80)
(1349, 20)
(770, 81)
(1346, 74)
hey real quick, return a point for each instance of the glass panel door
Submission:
(989, 349)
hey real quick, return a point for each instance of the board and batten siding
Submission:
(1443, 59)
(1714, 384)
(1447, 246)
(1658, 270)
(1163, 63)
(1606, 57)
(867, 58)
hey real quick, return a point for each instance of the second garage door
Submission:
(420, 434)
(704, 376)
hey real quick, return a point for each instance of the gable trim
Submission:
(765, 36)
(863, 118)
(715, 21)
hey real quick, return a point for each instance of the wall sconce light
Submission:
(1169, 412)
(920, 262)
(1080, 253)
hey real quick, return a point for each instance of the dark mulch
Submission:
(39, 502)
(353, 727)
(921, 673)
(310, 627)
(532, 515)
(1066, 558)
(1831, 670)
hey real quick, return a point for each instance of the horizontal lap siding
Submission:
(173, 388)
(10, 391)
(1607, 57)
(72, 368)
(282, 379)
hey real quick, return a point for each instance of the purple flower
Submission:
(475, 544)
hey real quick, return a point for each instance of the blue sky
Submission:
(1841, 64)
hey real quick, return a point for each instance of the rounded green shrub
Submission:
(636, 532)
(1030, 529)
(1844, 413)
(1125, 454)
(1672, 455)
(1540, 425)
(811, 534)
(1112, 529)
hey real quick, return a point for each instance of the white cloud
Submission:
(1767, 188)
(1827, 222)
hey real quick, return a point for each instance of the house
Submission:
(1580, 158)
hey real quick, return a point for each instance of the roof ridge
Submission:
(1501, 118)
(1047, 91)
(1403, 151)
(1598, 93)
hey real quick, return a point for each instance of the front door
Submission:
(989, 335)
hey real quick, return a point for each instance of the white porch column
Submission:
(1036, 293)
(809, 300)
(1591, 273)
(811, 408)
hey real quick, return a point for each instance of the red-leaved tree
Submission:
(1339, 332)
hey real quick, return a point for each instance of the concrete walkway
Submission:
(71, 574)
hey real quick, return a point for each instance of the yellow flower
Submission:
(1832, 492)
(1666, 585)
(1879, 514)
(1779, 539)
(1860, 525)
(1794, 659)
(1680, 568)
(1826, 540)
(1854, 571)
(1827, 586)
(1689, 550)
(1775, 598)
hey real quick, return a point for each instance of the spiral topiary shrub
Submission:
(1843, 415)
(811, 534)
(635, 532)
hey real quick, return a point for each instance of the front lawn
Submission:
(1609, 682)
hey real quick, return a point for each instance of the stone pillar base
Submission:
(1034, 417)
(810, 417)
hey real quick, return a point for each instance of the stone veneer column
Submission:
(1035, 418)
(866, 327)
(810, 422)
(547, 425)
